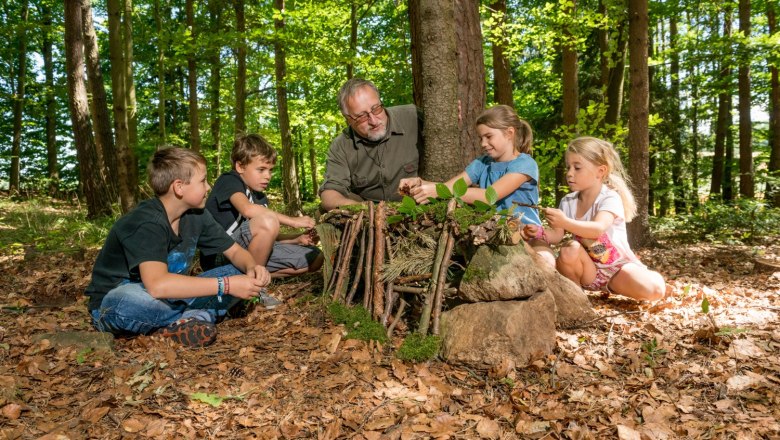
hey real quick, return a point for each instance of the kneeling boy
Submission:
(238, 203)
(140, 282)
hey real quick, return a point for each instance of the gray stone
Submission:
(93, 340)
(486, 334)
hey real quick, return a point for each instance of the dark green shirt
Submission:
(373, 170)
(145, 234)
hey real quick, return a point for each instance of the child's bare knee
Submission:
(265, 224)
(569, 253)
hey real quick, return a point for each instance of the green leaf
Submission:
(460, 188)
(442, 191)
(394, 219)
(211, 399)
(408, 203)
(705, 306)
(481, 206)
(491, 195)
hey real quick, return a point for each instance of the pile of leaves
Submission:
(653, 371)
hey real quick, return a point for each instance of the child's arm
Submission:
(548, 235)
(425, 189)
(504, 186)
(295, 222)
(585, 229)
(242, 259)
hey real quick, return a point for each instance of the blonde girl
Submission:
(595, 213)
(507, 166)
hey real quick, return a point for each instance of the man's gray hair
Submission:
(349, 89)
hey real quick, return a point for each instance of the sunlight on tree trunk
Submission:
(18, 99)
(161, 45)
(52, 167)
(240, 66)
(502, 76)
(571, 103)
(215, 80)
(675, 119)
(192, 79)
(746, 186)
(471, 77)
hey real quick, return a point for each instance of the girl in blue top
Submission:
(507, 166)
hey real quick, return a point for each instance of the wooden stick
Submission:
(412, 278)
(526, 205)
(390, 297)
(425, 317)
(408, 289)
(438, 298)
(361, 256)
(379, 259)
(398, 315)
(369, 272)
(337, 260)
(357, 224)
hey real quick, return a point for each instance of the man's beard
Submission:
(377, 136)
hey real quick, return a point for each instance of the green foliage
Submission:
(357, 321)
(652, 352)
(744, 221)
(419, 348)
(214, 399)
(705, 306)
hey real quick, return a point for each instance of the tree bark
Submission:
(638, 119)
(158, 19)
(416, 52)
(92, 181)
(104, 137)
(746, 184)
(438, 74)
(502, 76)
(773, 191)
(722, 123)
(313, 164)
(192, 80)
(289, 180)
(240, 67)
(52, 166)
(215, 81)
(616, 78)
(353, 30)
(126, 162)
(18, 107)
(471, 78)
(132, 111)
(675, 120)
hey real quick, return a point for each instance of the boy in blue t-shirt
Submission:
(238, 203)
(140, 281)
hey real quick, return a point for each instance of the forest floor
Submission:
(640, 372)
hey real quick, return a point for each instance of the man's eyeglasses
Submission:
(363, 117)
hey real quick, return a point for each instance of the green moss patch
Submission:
(358, 322)
(419, 348)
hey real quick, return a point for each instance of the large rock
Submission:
(488, 333)
(501, 273)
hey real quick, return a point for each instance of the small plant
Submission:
(652, 352)
(358, 322)
(81, 356)
(419, 348)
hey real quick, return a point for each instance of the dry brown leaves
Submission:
(639, 373)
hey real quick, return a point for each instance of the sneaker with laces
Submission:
(269, 302)
(189, 332)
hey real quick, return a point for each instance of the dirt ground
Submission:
(640, 372)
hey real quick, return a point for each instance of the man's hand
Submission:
(423, 192)
(406, 185)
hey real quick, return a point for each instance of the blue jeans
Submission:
(128, 309)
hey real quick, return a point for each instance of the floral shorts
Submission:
(607, 259)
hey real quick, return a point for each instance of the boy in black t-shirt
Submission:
(239, 205)
(141, 283)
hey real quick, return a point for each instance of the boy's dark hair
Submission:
(247, 146)
(171, 163)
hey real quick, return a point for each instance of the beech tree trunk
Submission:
(289, 181)
(93, 182)
(158, 18)
(192, 81)
(416, 51)
(502, 76)
(16, 145)
(638, 119)
(471, 78)
(773, 191)
(676, 120)
(722, 123)
(132, 112)
(438, 74)
(126, 162)
(104, 137)
(746, 185)
(52, 166)
(240, 67)
(215, 80)
(616, 78)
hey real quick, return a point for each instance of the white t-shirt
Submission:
(612, 246)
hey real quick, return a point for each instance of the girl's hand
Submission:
(423, 192)
(555, 218)
(529, 231)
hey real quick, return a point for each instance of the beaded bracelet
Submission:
(541, 235)
(227, 285)
(220, 288)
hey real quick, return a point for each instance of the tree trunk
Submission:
(773, 191)
(104, 137)
(192, 80)
(745, 124)
(502, 76)
(52, 167)
(353, 30)
(240, 67)
(416, 51)
(676, 120)
(638, 119)
(215, 80)
(126, 162)
(130, 101)
(471, 77)
(616, 78)
(438, 73)
(313, 164)
(570, 104)
(158, 18)
(722, 126)
(16, 146)
(694, 136)
(92, 181)
(289, 181)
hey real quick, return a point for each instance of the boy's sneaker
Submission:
(269, 302)
(190, 332)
